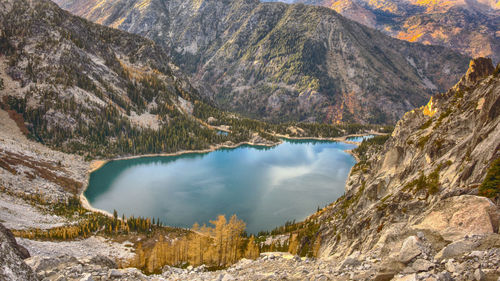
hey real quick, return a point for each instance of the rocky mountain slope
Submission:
(421, 187)
(34, 182)
(286, 62)
(93, 90)
(470, 27)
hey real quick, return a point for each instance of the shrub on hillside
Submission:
(491, 185)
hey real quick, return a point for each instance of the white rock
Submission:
(409, 250)
(411, 277)
(422, 265)
(87, 277)
(479, 254)
(227, 277)
(479, 275)
(450, 266)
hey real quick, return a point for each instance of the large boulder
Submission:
(456, 249)
(459, 216)
(411, 248)
(12, 265)
(422, 265)
(7, 235)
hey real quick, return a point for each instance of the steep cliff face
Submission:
(424, 180)
(466, 26)
(286, 62)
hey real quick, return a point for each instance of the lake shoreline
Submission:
(336, 139)
(97, 164)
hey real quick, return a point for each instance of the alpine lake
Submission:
(263, 186)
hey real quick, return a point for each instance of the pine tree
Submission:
(220, 237)
(252, 250)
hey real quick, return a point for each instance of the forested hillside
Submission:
(283, 62)
(116, 94)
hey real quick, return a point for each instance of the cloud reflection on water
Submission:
(263, 187)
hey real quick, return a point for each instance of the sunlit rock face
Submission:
(470, 27)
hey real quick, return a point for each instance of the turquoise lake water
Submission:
(265, 187)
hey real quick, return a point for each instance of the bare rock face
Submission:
(12, 266)
(9, 238)
(458, 216)
(478, 69)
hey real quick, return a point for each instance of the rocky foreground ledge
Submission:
(472, 258)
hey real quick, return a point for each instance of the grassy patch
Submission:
(426, 125)
(422, 141)
(443, 116)
(362, 166)
(430, 183)
(438, 144)
(433, 181)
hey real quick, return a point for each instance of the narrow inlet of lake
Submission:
(265, 187)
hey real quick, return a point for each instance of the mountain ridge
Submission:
(116, 94)
(466, 26)
(437, 156)
(282, 62)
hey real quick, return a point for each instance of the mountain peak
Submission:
(479, 68)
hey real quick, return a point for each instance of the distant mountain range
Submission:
(285, 62)
(471, 27)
